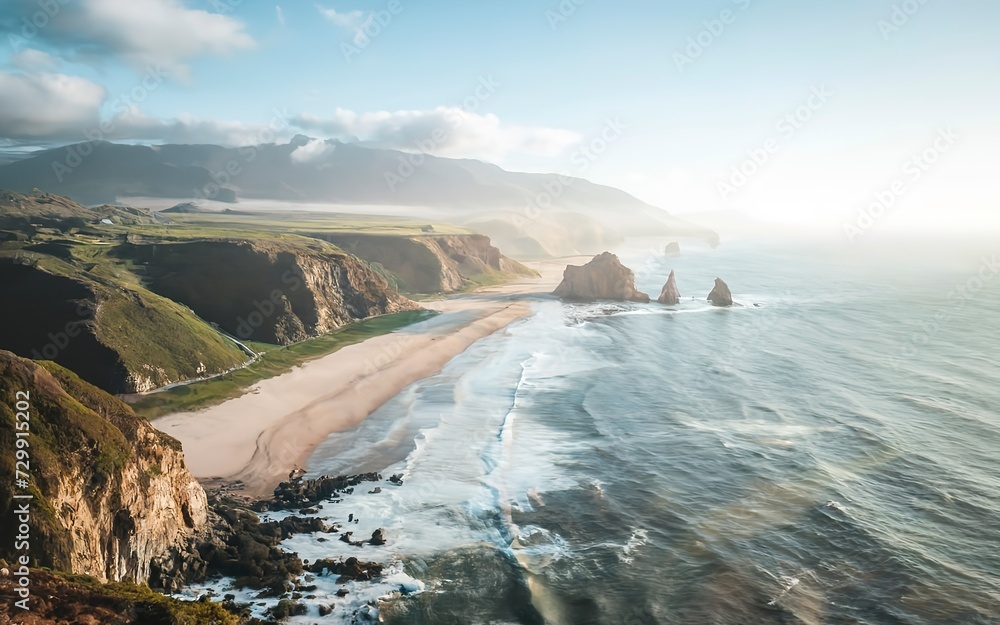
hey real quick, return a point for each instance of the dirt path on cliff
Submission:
(254, 441)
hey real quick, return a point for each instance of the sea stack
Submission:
(673, 249)
(669, 294)
(604, 277)
(720, 295)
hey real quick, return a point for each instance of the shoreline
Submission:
(250, 444)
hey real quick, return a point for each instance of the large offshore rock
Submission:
(603, 278)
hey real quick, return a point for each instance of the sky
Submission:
(832, 113)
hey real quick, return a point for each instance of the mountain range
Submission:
(526, 214)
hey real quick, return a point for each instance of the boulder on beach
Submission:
(669, 294)
(720, 295)
(673, 249)
(604, 277)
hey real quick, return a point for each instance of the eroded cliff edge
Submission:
(111, 493)
(433, 263)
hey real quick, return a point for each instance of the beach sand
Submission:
(253, 442)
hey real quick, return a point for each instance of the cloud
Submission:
(444, 131)
(31, 60)
(139, 32)
(280, 14)
(312, 151)
(353, 20)
(134, 125)
(54, 108)
(45, 106)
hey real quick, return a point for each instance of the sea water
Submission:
(825, 451)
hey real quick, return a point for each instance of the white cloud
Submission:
(312, 151)
(137, 126)
(140, 32)
(444, 131)
(42, 106)
(31, 60)
(353, 20)
(280, 14)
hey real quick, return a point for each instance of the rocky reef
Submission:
(720, 295)
(432, 263)
(603, 278)
(669, 295)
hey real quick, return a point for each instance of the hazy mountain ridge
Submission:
(511, 207)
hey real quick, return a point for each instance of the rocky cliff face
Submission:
(111, 494)
(268, 291)
(720, 295)
(669, 295)
(432, 263)
(604, 277)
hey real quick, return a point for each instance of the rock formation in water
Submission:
(604, 277)
(673, 249)
(720, 295)
(669, 294)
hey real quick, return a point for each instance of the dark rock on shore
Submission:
(349, 569)
(669, 294)
(720, 295)
(238, 545)
(378, 537)
(298, 494)
(603, 278)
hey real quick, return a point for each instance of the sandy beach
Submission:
(255, 440)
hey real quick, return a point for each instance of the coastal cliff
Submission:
(433, 263)
(270, 291)
(604, 277)
(111, 493)
(120, 337)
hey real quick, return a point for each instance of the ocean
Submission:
(826, 451)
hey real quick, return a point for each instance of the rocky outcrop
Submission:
(720, 295)
(432, 263)
(672, 249)
(603, 278)
(111, 493)
(669, 294)
(270, 291)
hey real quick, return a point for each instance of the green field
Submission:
(275, 361)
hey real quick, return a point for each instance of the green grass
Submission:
(275, 361)
(167, 609)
